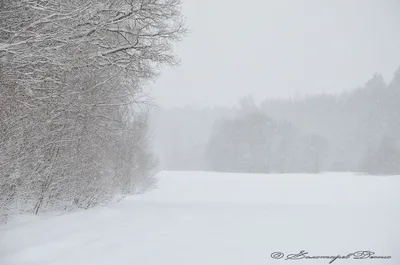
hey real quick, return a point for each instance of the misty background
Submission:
(279, 49)
(283, 86)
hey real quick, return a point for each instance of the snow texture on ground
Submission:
(202, 218)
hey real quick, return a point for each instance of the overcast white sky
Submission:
(279, 48)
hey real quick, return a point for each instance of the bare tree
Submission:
(71, 75)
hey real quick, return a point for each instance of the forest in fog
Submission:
(199, 132)
(78, 127)
(357, 131)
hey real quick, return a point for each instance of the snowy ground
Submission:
(198, 218)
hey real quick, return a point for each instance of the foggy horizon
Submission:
(281, 51)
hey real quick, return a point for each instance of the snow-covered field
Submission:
(200, 218)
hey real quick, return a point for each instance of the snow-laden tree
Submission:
(72, 75)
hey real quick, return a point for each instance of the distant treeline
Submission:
(357, 131)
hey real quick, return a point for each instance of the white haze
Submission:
(323, 81)
(275, 49)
